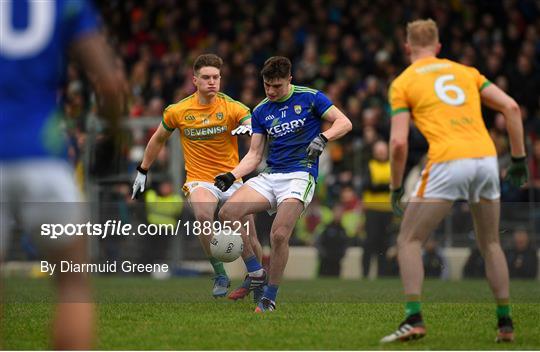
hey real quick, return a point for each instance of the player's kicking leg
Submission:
(204, 203)
(243, 202)
(288, 213)
(247, 285)
(486, 215)
(421, 217)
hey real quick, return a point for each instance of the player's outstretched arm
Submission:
(341, 125)
(495, 98)
(399, 148)
(159, 138)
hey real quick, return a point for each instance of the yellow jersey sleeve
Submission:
(168, 121)
(241, 112)
(398, 99)
(482, 81)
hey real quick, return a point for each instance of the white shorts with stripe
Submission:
(277, 187)
(467, 179)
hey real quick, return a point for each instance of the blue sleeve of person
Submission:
(256, 125)
(321, 104)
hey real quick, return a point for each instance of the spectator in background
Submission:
(522, 257)
(435, 265)
(378, 212)
(312, 223)
(474, 267)
(117, 205)
(163, 207)
(534, 167)
(332, 245)
(353, 222)
(392, 266)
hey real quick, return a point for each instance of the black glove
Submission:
(316, 146)
(396, 201)
(224, 181)
(518, 172)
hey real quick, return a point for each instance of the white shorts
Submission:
(280, 186)
(468, 179)
(38, 192)
(222, 197)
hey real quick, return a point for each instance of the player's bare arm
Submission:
(248, 163)
(399, 147)
(493, 97)
(158, 139)
(341, 125)
(253, 157)
(399, 135)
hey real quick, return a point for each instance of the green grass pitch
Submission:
(141, 313)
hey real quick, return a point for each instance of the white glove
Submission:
(140, 182)
(242, 130)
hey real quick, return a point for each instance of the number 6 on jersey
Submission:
(442, 91)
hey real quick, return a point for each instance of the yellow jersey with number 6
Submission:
(443, 98)
(205, 133)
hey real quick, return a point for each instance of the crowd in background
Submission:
(350, 50)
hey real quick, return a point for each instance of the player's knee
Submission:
(489, 247)
(280, 235)
(204, 216)
(404, 239)
(227, 212)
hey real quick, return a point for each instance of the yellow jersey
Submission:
(443, 98)
(379, 174)
(205, 133)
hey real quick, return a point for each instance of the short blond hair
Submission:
(422, 33)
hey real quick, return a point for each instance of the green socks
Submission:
(218, 266)
(503, 308)
(412, 306)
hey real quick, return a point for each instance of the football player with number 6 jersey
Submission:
(443, 98)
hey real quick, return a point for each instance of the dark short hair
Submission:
(207, 60)
(276, 67)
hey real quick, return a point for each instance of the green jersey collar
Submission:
(291, 91)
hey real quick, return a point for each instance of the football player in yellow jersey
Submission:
(443, 99)
(208, 122)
